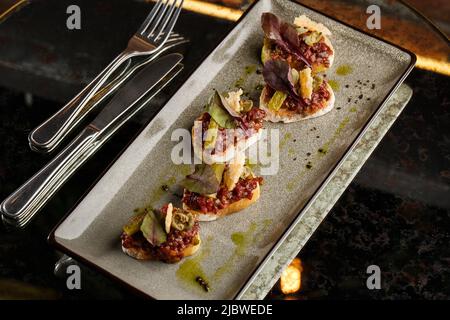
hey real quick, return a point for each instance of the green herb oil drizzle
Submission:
(191, 268)
(334, 85)
(344, 70)
(242, 241)
(248, 70)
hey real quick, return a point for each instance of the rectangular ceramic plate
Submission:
(365, 73)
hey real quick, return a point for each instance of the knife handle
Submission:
(20, 207)
(34, 193)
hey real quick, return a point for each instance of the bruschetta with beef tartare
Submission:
(169, 235)
(217, 190)
(292, 95)
(229, 126)
(302, 44)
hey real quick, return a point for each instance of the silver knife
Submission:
(50, 134)
(33, 194)
(24, 220)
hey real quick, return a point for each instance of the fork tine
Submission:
(150, 17)
(170, 21)
(174, 36)
(174, 39)
(170, 44)
(155, 22)
(160, 29)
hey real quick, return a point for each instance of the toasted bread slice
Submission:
(304, 21)
(231, 208)
(140, 251)
(221, 156)
(286, 116)
(192, 249)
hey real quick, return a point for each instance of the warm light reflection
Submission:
(222, 12)
(433, 65)
(211, 9)
(15, 6)
(291, 278)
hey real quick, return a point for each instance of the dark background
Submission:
(395, 214)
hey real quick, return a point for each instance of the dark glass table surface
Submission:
(395, 213)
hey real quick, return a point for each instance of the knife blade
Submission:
(134, 90)
(26, 201)
(25, 218)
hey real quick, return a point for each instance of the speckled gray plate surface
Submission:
(365, 73)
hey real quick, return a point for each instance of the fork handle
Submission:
(39, 188)
(47, 134)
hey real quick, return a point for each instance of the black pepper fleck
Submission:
(202, 283)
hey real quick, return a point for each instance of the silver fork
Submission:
(43, 185)
(149, 39)
(49, 134)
